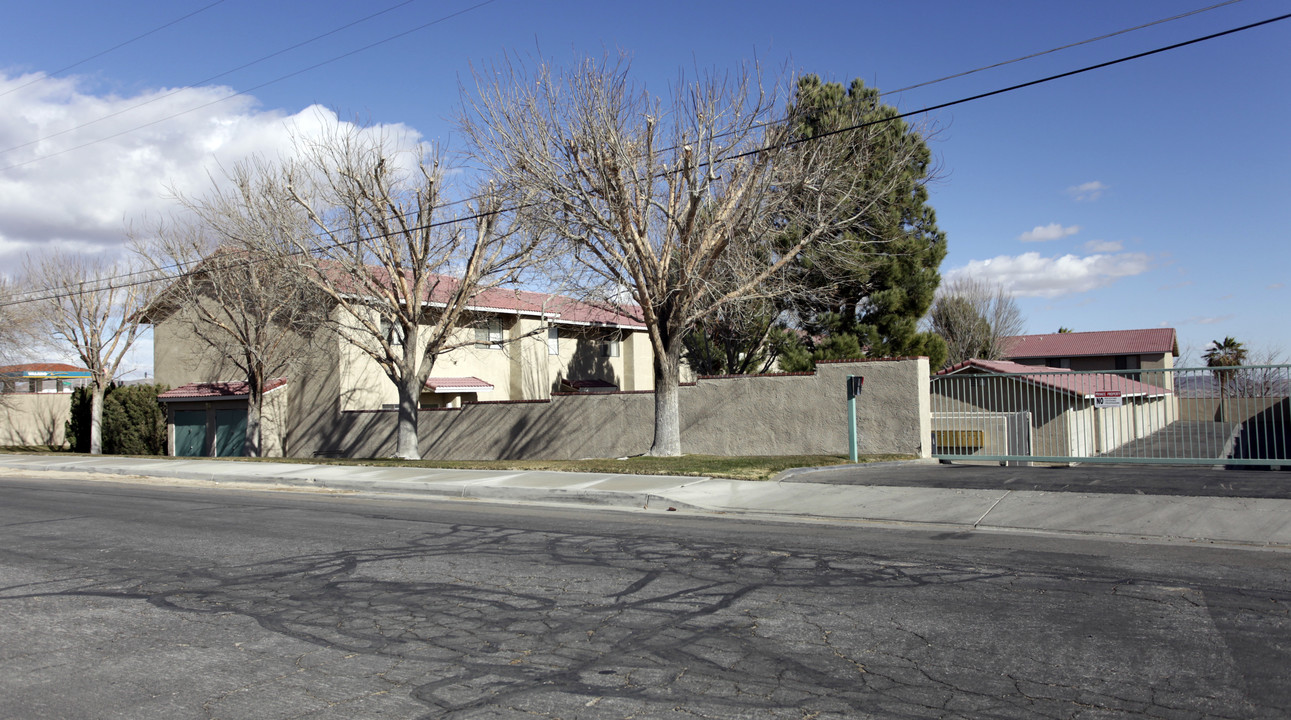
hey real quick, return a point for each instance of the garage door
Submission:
(190, 433)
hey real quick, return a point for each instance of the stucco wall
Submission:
(750, 415)
(34, 419)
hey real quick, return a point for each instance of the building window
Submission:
(611, 346)
(1058, 362)
(488, 334)
(553, 341)
(1127, 362)
(392, 332)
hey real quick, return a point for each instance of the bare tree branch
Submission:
(683, 201)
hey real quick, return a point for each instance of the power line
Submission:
(267, 83)
(789, 143)
(1020, 86)
(193, 85)
(118, 46)
(406, 2)
(1062, 47)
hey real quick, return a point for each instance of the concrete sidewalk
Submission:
(853, 493)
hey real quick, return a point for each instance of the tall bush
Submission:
(133, 421)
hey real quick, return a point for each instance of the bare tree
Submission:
(239, 284)
(392, 259)
(14, 326)
(1264, 375)
(975, 317)
(13, 321)
(89, 305)
(686, 201)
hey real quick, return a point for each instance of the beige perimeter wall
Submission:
(34, 419)
(747, 415)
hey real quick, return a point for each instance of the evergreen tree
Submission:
(133, 421)
(875, 290)
(879, 290)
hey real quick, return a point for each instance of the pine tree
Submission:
(878, 288)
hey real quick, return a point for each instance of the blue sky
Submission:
(1153, 193)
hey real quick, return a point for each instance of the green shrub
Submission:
(133, 421)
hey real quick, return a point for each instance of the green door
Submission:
(190, 433)
(230, 432)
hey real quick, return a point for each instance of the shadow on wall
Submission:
(589, 363)
(34, 419)
(569, 426)
(1265, 436)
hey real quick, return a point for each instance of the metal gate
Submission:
(1187, 416)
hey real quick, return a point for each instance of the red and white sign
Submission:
(1107, 398)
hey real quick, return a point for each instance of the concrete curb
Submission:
(784, 475)
(1241, 522)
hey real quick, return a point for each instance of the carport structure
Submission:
(1014, 413)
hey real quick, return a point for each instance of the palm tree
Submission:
(1227, 354)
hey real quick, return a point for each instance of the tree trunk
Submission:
(406, 442)
(96, 419)
(667, 406)
(255, 410)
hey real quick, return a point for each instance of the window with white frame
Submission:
(553, 341)
(392, 332)
(488, 334)
(611, 346)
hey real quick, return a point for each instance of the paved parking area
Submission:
(1176, 480)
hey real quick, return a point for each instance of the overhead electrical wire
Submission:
(926, 109)
(382, 12)
(118, 46)
(193, 85)
(239, 93)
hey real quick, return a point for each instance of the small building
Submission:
(998, 407)
(1153, 348)
(209, 419)
(43, 378)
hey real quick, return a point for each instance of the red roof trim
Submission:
(1081, 384)
(1084, 344)
(41, 367)
(218, 390)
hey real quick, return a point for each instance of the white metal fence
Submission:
(1200, 416)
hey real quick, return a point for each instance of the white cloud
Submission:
(1275, 286)
(1087, 191)
(1103, 246)
(1045, 233)
(1032, 275)
(54, 191)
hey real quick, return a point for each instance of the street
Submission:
(142, 601)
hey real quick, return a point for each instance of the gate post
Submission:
(854, 384)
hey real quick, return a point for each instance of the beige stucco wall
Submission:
(520, 368)
(755, 415)
(34, 419)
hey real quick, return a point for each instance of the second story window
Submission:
(488, 334)
(392, 333)
(611, 346)
(553, 341)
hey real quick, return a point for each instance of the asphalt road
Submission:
(135, 601)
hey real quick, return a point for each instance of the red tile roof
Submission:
(1081, 384)
(1106, 342)
(41, 368)
(560, 308)
(457, 384)
(219, 389)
